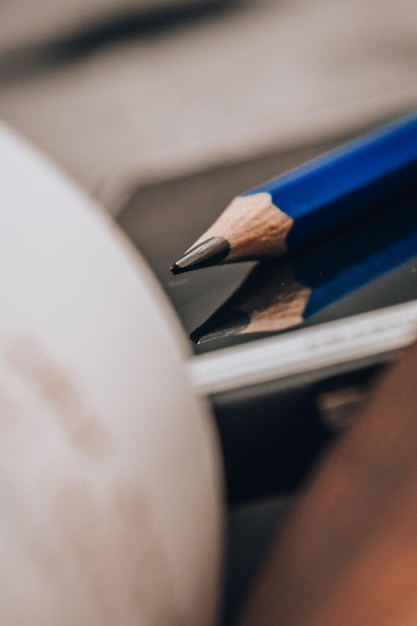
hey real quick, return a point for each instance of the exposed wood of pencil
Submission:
(252, 227)
(348, 553)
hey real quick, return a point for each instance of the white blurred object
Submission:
(25, 23)
(109, 478)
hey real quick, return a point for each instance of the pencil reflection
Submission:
(278, 295)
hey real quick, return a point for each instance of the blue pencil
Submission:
(291, 210)
(280, 294)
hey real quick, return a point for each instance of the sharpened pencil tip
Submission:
(175, 269)
(207, 253)
(221, 325)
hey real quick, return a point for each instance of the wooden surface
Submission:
(348, 553)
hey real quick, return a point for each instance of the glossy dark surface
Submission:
(162, 219)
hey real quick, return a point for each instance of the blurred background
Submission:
(124, 93)
(143, 101)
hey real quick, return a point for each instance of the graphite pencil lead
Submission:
(209, 252)
(221, 324)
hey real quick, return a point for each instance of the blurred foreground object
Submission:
(348, 552)
(109, 479)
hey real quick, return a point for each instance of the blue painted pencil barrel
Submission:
(338, 267)
(345, 181)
